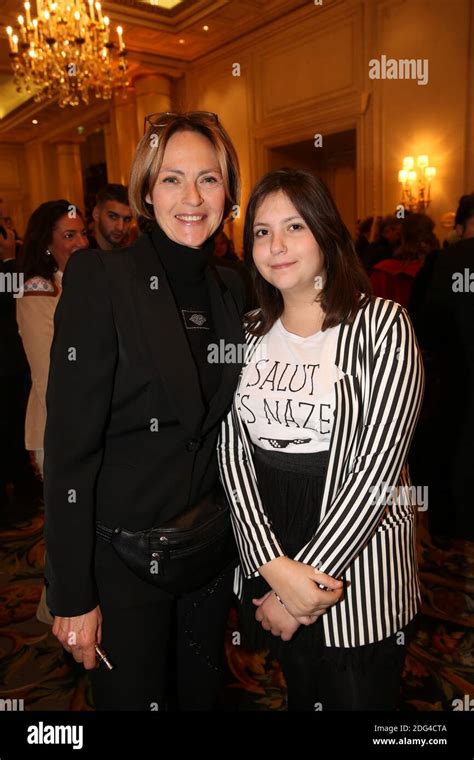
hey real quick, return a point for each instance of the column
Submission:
(69, 173)
(36, 173)
(153, 95)
(123, 136)
(111, 152)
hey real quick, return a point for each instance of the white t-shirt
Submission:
(287, 399)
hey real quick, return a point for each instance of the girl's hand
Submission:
(298, 586)
(274, 617)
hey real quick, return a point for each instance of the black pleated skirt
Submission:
(291, 488)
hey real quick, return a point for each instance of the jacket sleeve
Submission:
(81, 377)
(255, 539)
(35, 314)
(392, 411)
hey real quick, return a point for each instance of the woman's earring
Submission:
(48, 252)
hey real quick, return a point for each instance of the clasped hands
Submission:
(302, 599)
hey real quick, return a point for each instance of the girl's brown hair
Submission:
(347, 287)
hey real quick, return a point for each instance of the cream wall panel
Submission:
(432, 118)
(469, 146)
(13, 188)
(36, 172)
(10, 167)
(296, 74)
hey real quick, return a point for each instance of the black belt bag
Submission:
(183, 554)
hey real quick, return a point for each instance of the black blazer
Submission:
(12, 356)
(448, 333)
(121, 367)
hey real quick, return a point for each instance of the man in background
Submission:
(112, 218)
(385, 244)
(445, 329)
(464, 220)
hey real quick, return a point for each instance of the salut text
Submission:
(275, 378)
(46, 734)
(292, 378)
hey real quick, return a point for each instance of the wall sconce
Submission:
(416, 183)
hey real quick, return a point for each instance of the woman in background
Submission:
(394, 277)
(55, 230)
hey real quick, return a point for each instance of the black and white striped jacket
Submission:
(360, 539)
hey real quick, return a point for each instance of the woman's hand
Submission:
(274, 617)
(79, 635)
(298, 586)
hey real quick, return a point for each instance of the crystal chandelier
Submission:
(65, 53)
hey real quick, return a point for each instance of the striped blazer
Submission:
(363, 538)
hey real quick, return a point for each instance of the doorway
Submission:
(334, 162)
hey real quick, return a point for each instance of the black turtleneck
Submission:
(185, 269)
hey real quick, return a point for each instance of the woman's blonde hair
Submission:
(151, 148)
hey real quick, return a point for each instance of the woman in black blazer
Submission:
(313, 456)
(133, 413)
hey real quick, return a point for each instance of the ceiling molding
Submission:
(19, 116)
(153, 17)
(97, 116)
(160, 64)
(23, 115)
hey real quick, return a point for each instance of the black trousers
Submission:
(168, 655)
(362, 678)
(14, 460)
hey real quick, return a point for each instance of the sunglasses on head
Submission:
(162, 119)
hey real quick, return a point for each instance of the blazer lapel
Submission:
(165, 337)
(229, 334)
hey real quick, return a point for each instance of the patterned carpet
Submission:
(439, 666)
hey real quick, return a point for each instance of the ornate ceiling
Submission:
(161, 36)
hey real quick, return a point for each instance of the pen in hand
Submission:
(102, 657)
